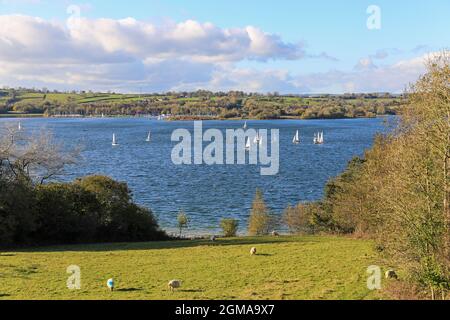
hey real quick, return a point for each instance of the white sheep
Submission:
(213, 238)
(253, 251)
(110, 284)
(275, 234)
(174, 284)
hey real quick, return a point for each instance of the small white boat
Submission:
(149, 137)
(114, 140)
(296, 139)
(248, 145)
(19, 126)
(245, 125)
(318, 138)
(258, 139)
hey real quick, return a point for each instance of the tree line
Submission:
(201, 105)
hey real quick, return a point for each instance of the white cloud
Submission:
(132, 55)
(30, 38)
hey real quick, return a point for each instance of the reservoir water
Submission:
(208, 193)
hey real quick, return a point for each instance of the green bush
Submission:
(229, 227)
(17, 211)
(92, 209)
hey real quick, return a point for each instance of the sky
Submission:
(288, 46)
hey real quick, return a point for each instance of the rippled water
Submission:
(209, 193)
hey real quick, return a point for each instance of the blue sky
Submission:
(338, 51)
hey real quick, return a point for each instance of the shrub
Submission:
(183, 221)
(120, 219)
(299, 219)
(229, 227)
(259, 221)
(17, 211)
(66, 213)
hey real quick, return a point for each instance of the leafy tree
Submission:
(260, 220)
(400, 194)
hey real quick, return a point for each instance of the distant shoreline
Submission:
(181, 119)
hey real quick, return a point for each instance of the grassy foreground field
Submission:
(285, 268)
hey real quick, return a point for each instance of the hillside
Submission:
(198, 105)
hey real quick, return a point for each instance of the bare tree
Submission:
(38, 157)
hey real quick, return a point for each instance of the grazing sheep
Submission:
(253, 251)
(275, 234)
(213, 238)
(391, 274)
(174, 284)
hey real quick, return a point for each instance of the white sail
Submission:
(296, 138)
(256, 141)
(248, 145)
(114, 141)
(245, 125)
(318, 138)
(20, 126)
(149, 137)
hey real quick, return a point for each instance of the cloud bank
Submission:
(128, 55)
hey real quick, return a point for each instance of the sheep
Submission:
(275, 234)
(213, 238)
(391, 274)
(174, 284)
(253, 251)
(110, 284)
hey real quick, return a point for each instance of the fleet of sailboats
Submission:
(318, 138)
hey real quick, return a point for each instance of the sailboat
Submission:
(257, 138)
(296, 139)
(318, 138)
(248, 145)
(149, 137)
(114, 141)
(245, 125)
(19, 127)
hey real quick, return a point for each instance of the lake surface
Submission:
(209, 193)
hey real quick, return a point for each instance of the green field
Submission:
(310, 267)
